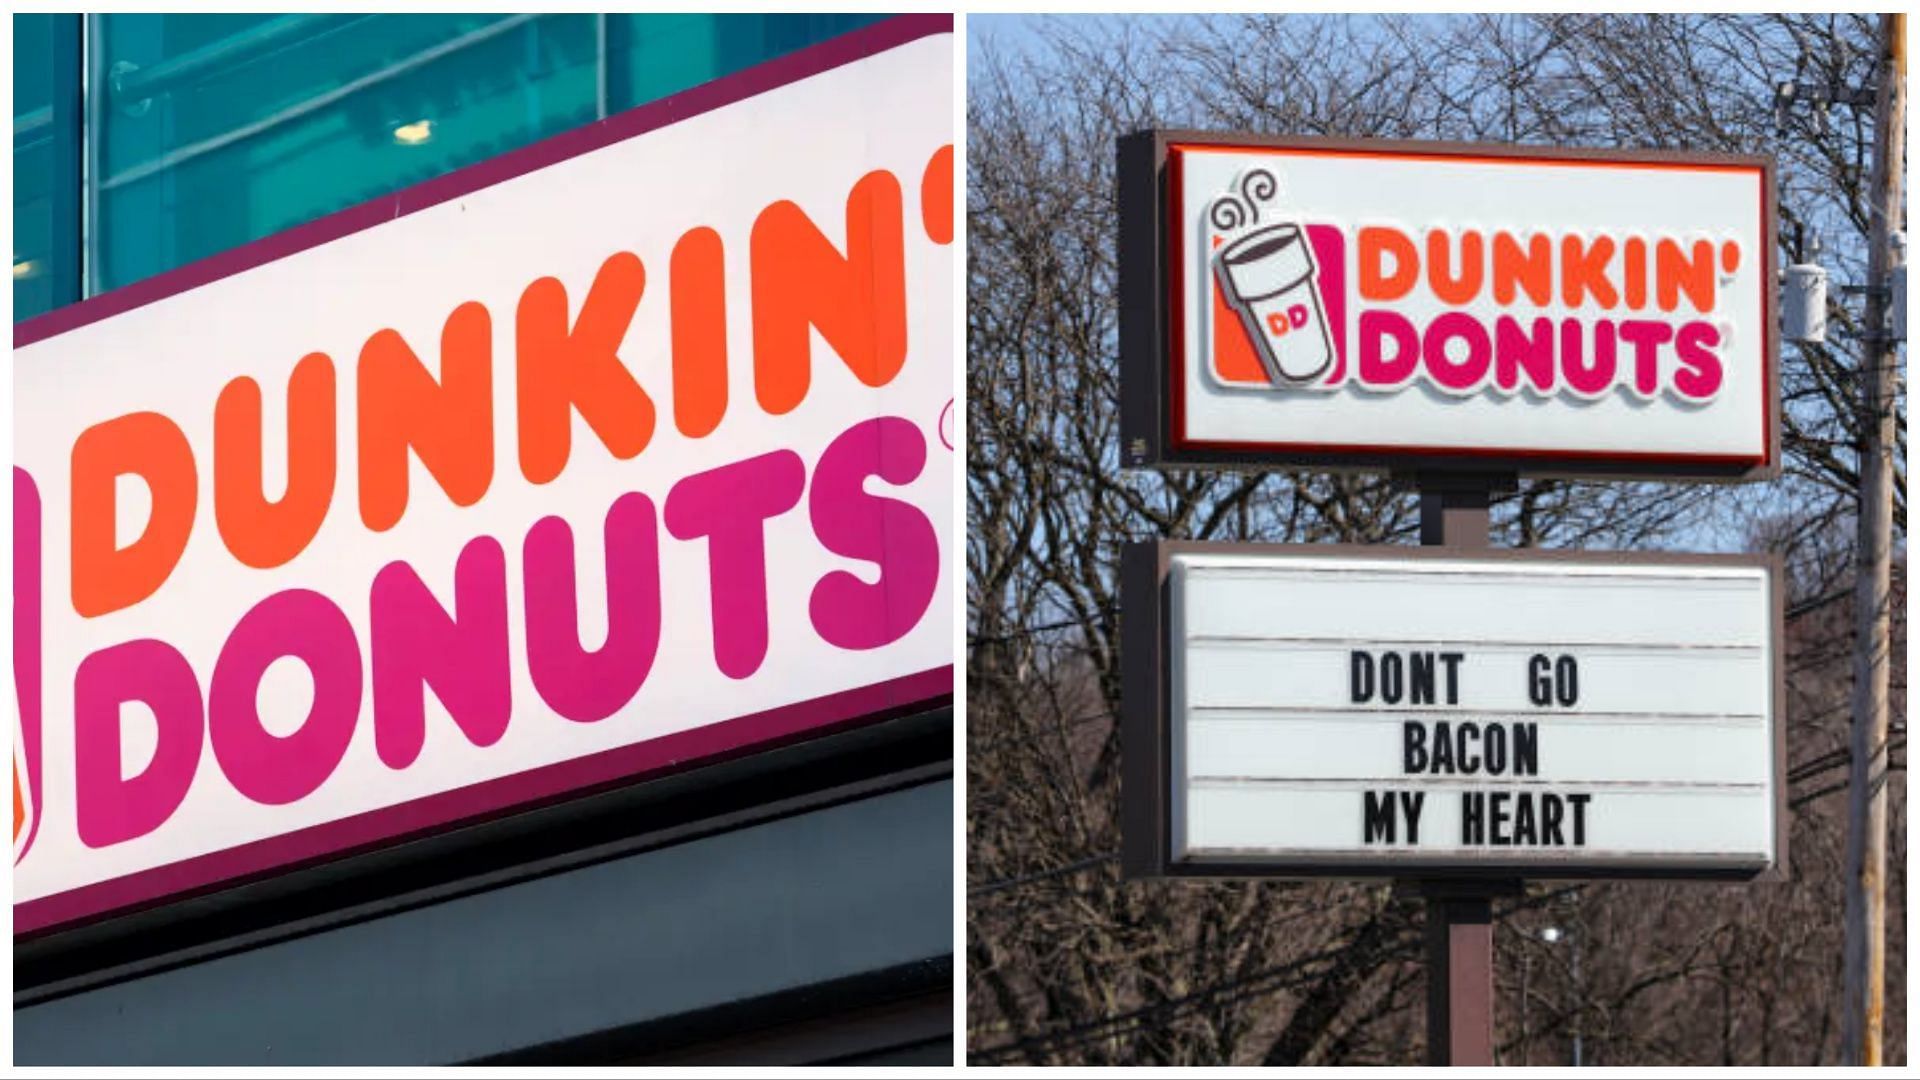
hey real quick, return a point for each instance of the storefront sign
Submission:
(609, 456)
(1406, 712)
(1418, 305)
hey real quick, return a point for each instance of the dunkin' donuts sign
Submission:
(617, 454)
(1410, 304)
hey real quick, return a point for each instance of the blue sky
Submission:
(1002, 31)
(1018, 32)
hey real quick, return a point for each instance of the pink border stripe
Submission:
(493, 798)
(534, 787)
(726, 90)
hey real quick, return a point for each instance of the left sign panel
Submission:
(613, 455)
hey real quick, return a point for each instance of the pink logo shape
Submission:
(26, 663)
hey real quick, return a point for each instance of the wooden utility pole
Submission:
(1866, 883)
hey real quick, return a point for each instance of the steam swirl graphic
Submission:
(1230, 211)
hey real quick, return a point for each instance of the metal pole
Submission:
(1864, 967)
(1454, 512)
(1526, 968)
(1454, 516)
(1579, 996)
(1459, 979)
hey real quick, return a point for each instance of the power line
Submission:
(1249, 987)
(1043, 875)
(1028, 631)
(1254, 985)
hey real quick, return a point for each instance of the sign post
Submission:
(1456, 512)
(1460, 971)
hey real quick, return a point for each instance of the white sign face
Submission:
(1546, 716)
(609, 456)
(1374, 302)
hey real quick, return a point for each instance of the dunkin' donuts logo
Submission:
(376, 657)
(613, 457)
(1302, 304)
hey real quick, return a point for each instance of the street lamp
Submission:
(1552, 936)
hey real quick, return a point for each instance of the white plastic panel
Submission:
(1665, 731)
(1629, 212)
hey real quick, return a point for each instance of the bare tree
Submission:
(1068, 963)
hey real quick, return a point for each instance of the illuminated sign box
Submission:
(615, 455)
(1428, 306)
(1409, 712)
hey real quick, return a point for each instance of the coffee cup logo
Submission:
(1268, 276)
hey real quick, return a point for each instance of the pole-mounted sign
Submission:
(1462, 314)
(1361, 711)
(1369, 303)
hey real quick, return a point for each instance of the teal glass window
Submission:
(219, 129)
(656, 55)
(46, 148)
(204, 132)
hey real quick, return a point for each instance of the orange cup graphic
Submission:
(23, 807)
(1268, 277)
